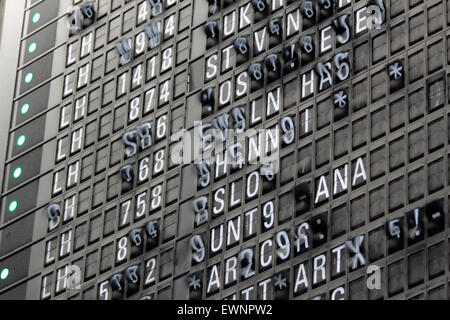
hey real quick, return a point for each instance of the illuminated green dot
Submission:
(32, 47)
(25, 108)
(13, 206)
(36, 17)
(21, 140)
(17, 172)
(4, 274)
(28, 77)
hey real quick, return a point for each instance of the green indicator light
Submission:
(12, 206)
(36, 17)
(32, 47)
(28, 77)
(21, 140)
(17, 172)
(4, 274)
(25, 108)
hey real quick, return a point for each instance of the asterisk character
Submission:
(280, 281)
(340, 99)
(194, 282)
(395, 70)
